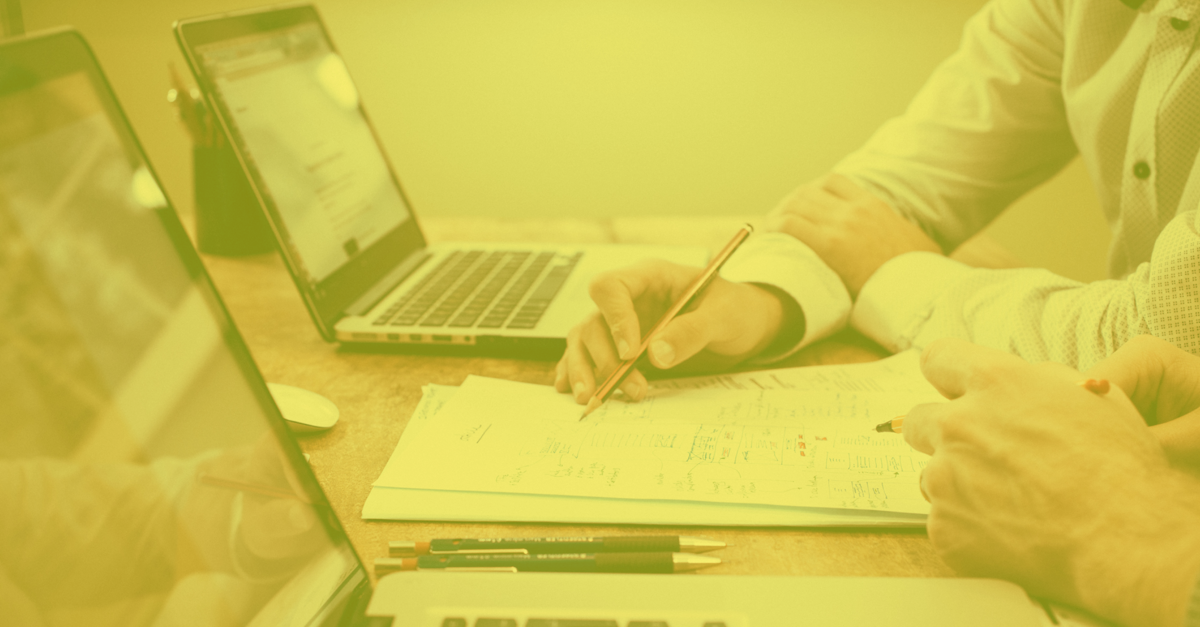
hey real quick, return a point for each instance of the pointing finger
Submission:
(614, 293)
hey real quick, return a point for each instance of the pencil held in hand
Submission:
(894, 425)
(697, 286)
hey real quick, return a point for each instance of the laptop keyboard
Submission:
(483, 289)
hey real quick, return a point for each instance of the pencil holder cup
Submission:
(229, 220)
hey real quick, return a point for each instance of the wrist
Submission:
(1144, 571)
(783, 320)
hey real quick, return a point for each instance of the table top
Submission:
(377, 393)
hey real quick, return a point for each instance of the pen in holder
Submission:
(229, 220)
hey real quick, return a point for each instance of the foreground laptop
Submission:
(148, 479)
(344, 225)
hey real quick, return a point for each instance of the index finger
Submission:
(956, 366)
(613, 293)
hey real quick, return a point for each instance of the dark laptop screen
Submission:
(145, 476)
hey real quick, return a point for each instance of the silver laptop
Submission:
(148, 479)
(342, 221)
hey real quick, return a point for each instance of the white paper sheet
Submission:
(445, 505)
(768, 447)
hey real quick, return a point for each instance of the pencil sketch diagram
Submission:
(762, 447)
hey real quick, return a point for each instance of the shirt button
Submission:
(1179, 24)
(1141, 169)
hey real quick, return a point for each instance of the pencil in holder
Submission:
(229, 220)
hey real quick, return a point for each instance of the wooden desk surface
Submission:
(376, 394)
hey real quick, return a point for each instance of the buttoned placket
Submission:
(1172, 43)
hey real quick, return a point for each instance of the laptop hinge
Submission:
(384, 286)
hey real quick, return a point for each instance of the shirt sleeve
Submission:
(919, 297)
(988, 125)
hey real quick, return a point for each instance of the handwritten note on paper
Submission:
(779, 447)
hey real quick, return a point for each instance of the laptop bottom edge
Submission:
(533, 349)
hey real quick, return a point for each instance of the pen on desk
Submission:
(527, 546)
(552, 563)
(610, 384)
(240, 486)
(895, 425)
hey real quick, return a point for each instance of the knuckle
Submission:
(835, 238)
(955, 429)
(985, 374)
(602, 284)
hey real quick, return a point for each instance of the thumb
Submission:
(1180, 438)
(682, 338)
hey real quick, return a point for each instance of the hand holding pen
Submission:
(726, 323)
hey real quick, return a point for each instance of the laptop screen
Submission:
(145, 475)
(293, 114)
(297, 115)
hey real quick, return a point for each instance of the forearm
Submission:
(988, 125)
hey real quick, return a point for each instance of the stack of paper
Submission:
(781, 447)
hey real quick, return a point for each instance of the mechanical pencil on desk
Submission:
(1099, 387)
(527, 546)
(610, 384)
(552, 563)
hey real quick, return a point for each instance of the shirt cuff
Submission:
(897, 300)
(784, 262)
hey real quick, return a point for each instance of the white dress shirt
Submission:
(1035, 83)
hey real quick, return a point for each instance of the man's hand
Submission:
(1164, 383)
(1040, 481)
(852, 230)
(728, 323)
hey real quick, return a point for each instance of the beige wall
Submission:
(537, 108)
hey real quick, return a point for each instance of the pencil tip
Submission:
(591, 407)
(884, 427)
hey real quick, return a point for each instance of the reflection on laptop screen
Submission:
(142, 479)
(298, 118)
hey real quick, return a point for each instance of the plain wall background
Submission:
(593, 108)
